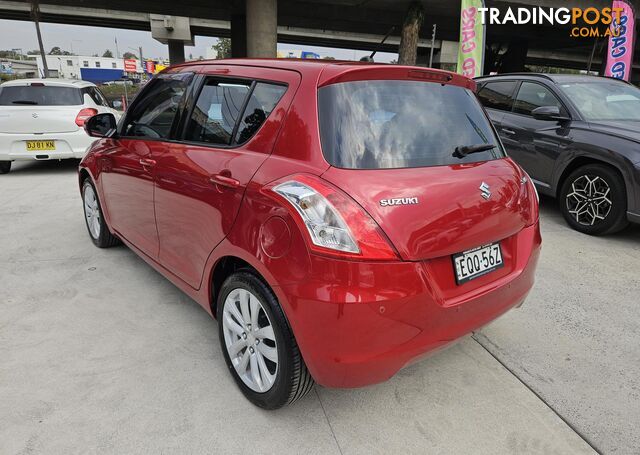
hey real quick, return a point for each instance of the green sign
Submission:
(471, 49)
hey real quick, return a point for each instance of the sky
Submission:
(82, 40)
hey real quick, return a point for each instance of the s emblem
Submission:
(34, 115)
(485, 190)
(398, 201)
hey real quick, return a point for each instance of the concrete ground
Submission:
(100, 354)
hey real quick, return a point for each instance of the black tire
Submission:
(292, 379)
(611, 211)
(104, 239)
(5, 167)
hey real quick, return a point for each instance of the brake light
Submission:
(529, 199)
(84, 115)
(335, 223)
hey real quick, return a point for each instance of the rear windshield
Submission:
(401, 124)
(40, 95)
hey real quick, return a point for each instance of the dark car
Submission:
(578, 137)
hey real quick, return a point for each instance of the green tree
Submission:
(223, 48)
(57, 51)
(129, 55)
(108, 54)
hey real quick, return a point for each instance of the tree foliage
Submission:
(57, 51)
(223, 48)
(129, 55)
(108, 54)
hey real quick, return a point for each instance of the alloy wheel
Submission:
(250, 340)
(92, 211)
(589, 200)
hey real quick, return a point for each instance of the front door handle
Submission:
(146, 162)
(509, 132)
(224, 180)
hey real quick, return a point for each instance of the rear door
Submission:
(128, 169)
(497, 98)
(227, 134)
(534, 144)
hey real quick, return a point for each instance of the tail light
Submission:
(335, 223)
(84, 115)
(529, 199)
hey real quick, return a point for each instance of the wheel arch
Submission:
(580, 161)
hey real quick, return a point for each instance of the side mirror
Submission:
(551, 113)
(117, 104)
(100, 125)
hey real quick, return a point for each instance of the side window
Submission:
(531, 96)
(217, 110)
(155, 108)
(96, 96)
(262, 101)
(497, 95)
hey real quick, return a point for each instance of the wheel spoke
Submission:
(236, 347)
(241, 366)
(244, 307)
(267, 378)
(254, 308)
(266, 332)
(255, 372)
(269, 352)
(236, 313)
(233, 325)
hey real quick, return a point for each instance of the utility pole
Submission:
(35, 15)
(433, 43)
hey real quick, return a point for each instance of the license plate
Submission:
(37, 146)
(477, 262)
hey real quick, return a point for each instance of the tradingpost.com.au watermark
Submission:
(585, 22)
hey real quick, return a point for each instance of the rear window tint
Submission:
(401, 124)
(498, 95)
(39, 95)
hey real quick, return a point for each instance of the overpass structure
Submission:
(255, 26)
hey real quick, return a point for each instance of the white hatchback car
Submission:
(43, 119)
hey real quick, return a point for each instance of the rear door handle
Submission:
(510, 132)
(146, 162)
(224, 180)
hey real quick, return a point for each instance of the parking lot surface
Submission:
(101, 354)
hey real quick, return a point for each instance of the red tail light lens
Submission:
(335, 224)
(529, 200)
(84, 115)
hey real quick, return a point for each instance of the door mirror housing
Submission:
(551, 113)
(117, 104)
(100, 125)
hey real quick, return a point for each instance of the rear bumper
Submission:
(359, 323)
(68, 145)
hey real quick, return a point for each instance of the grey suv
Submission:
(578, 137)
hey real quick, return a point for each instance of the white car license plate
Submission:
(477, 262)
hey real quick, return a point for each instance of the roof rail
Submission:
(544, 76)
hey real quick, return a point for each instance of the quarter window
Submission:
(531, 96)
(497, 95)
(152, 117)
(262, 101)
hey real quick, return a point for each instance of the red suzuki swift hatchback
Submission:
(340, 220)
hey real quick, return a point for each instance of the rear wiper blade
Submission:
(464, 150)
(24, 102)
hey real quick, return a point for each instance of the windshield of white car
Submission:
(604, 100)
(40, 95)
